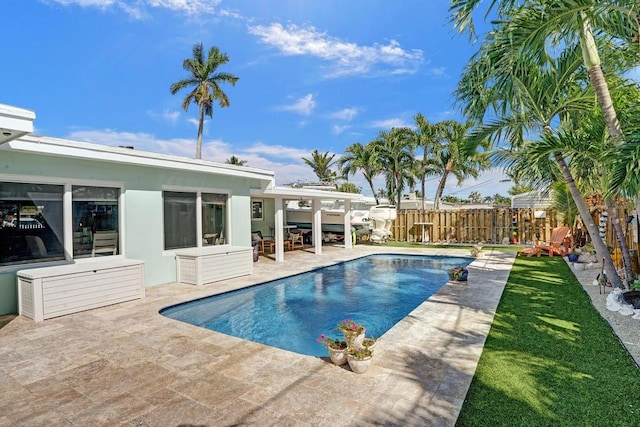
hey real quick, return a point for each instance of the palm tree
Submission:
(362, 158)
(454, 158)
(205, 79)
(321, 164)
(527, 98)
(539, 27)
(428, 139)
(395, 153)
(233, 160)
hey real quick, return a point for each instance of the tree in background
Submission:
(321, 164)
(395, 153)
(454, 158)
(361, 158)
(205, 79)
(348, 187)
(233, 160)
(427, 137)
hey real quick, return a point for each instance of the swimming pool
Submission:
(291, 313)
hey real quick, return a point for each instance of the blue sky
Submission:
(313, 75)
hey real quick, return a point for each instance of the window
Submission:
(214, 213)
(95, 221)
(181, 222)
(257, 213)
(31, 226)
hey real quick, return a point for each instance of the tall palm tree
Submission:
(321, 164)
(362, 158)
(428, 139)
(205, 79)
(453, 157)
(395, 153)
(540, 27)
(233, 160)
(527, 98)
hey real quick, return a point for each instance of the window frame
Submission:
(260, 204)
(198, 191)
(67, 213)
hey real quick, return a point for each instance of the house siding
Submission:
(141, 210)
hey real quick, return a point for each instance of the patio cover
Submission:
(287, 193)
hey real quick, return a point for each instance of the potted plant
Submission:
(359, 358)
(352, 331)
(337, 349)
(370, 342)
(458, 274)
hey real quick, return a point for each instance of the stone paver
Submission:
(127, 365)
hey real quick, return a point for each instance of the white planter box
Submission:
(49, 292)
(200, 266)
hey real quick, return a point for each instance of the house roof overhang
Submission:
(96, 152)
(303, 193)
(15, 122)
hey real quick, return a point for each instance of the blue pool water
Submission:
(291, 313)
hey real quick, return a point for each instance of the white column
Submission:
(316, 226)
(279, 225)
(348, 244)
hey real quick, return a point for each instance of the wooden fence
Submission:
(498, 225)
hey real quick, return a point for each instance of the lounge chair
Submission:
(558, 243)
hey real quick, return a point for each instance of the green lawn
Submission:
(550, 359)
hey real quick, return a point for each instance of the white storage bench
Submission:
(199, 266)
(48, 292)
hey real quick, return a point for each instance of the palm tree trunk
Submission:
(606, 104)
(373, 191)
(596, 76)
(440, 190)
(587, 219)
(423, 188)
(621, 238)
(200, 131)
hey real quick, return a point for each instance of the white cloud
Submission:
(345, 58)
(140, 141)
(303, 106)
(277, 151)
(387, 124)
(337, 130)
(346, 114)
(195, 122)
(167, 116)
(439, 72)
(137, 9)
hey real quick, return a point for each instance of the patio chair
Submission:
(296, 238)
(105, 243)
(558, 243)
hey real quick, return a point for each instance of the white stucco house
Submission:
(68, 207)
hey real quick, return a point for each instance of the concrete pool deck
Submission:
(127, 365)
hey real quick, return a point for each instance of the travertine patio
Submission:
(127, 365)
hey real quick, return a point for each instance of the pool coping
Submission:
(128, 364)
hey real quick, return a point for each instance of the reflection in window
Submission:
(95, 220)
(179, 220)
(30, 222)
(214, 212)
